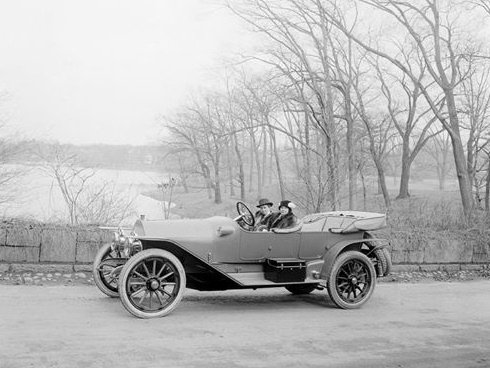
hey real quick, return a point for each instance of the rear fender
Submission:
(343, 246)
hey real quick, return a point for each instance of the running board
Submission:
(258, 279)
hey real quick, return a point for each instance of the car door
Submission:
(254, 245)
(285, 245)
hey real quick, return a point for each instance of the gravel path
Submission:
(404, 324)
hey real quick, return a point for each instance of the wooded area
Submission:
(341, 91)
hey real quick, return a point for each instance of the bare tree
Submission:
(9, 173)
(440, 149)
(86, 202)
(411, 121)
(186, 138)
(432, 29)
(475, 112)
(379, 134)
(104, 203)
(199, 128)
(9, 150)
(299, 32)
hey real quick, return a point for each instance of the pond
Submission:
(36, 196)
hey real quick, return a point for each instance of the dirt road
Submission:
(431, 324)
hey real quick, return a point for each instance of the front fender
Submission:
(332, 253)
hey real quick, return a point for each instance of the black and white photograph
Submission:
(245, 183)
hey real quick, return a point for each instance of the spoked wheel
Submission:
(352, 280)
(152, 283)
(107, 265)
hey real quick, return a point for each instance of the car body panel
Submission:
(222, 246)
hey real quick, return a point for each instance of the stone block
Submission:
(414, 256)
(398, 256)
(447, 250)
(42, 268)
(23, 235)
(451, 267)
(405, 268)
(86, 252)
(4, 267)
(58, 245)
(91, 235)
(82, 268)
(481, 253)
(472, 267)
(430, 267)
(3, 236)
(19, 254)
(396, 243)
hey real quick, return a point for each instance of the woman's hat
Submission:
(264, 202)
(287, 204)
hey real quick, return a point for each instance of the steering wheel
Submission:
(245, 214)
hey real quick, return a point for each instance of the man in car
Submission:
(285, 218)
(263, 216)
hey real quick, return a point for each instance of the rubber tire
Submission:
(101, 255)
(126, 271)
(300, 289)
(331, 283)
(384, 264)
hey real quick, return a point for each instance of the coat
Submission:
(260, 219)
(285, 222)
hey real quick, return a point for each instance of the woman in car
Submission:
(285, 218)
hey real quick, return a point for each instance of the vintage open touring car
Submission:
(150, 266)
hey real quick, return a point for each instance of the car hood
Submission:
(181, 229)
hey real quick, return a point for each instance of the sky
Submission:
(103, 71)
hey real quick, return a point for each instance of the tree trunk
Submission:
(351, 156)
(364, 190)
(217, 182)
(405, 175)
(259, 171)
(241, 172)
(459, 155)
(264, 156)
(278, 164)
(487, 188)
(382, 184)
(230, 172)
(252, 162)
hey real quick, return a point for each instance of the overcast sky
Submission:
(102, 71)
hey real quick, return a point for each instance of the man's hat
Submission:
(264, 202)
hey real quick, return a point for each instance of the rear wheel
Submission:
(152, 283)
(352, 280)
(384, 265)
(299, 289)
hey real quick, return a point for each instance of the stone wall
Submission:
(45, 244)
(23, 244)
(442, 247)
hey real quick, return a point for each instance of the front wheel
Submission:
(352, 280)
(107, 264)
(152, 283)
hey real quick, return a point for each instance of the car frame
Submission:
(150, 265)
